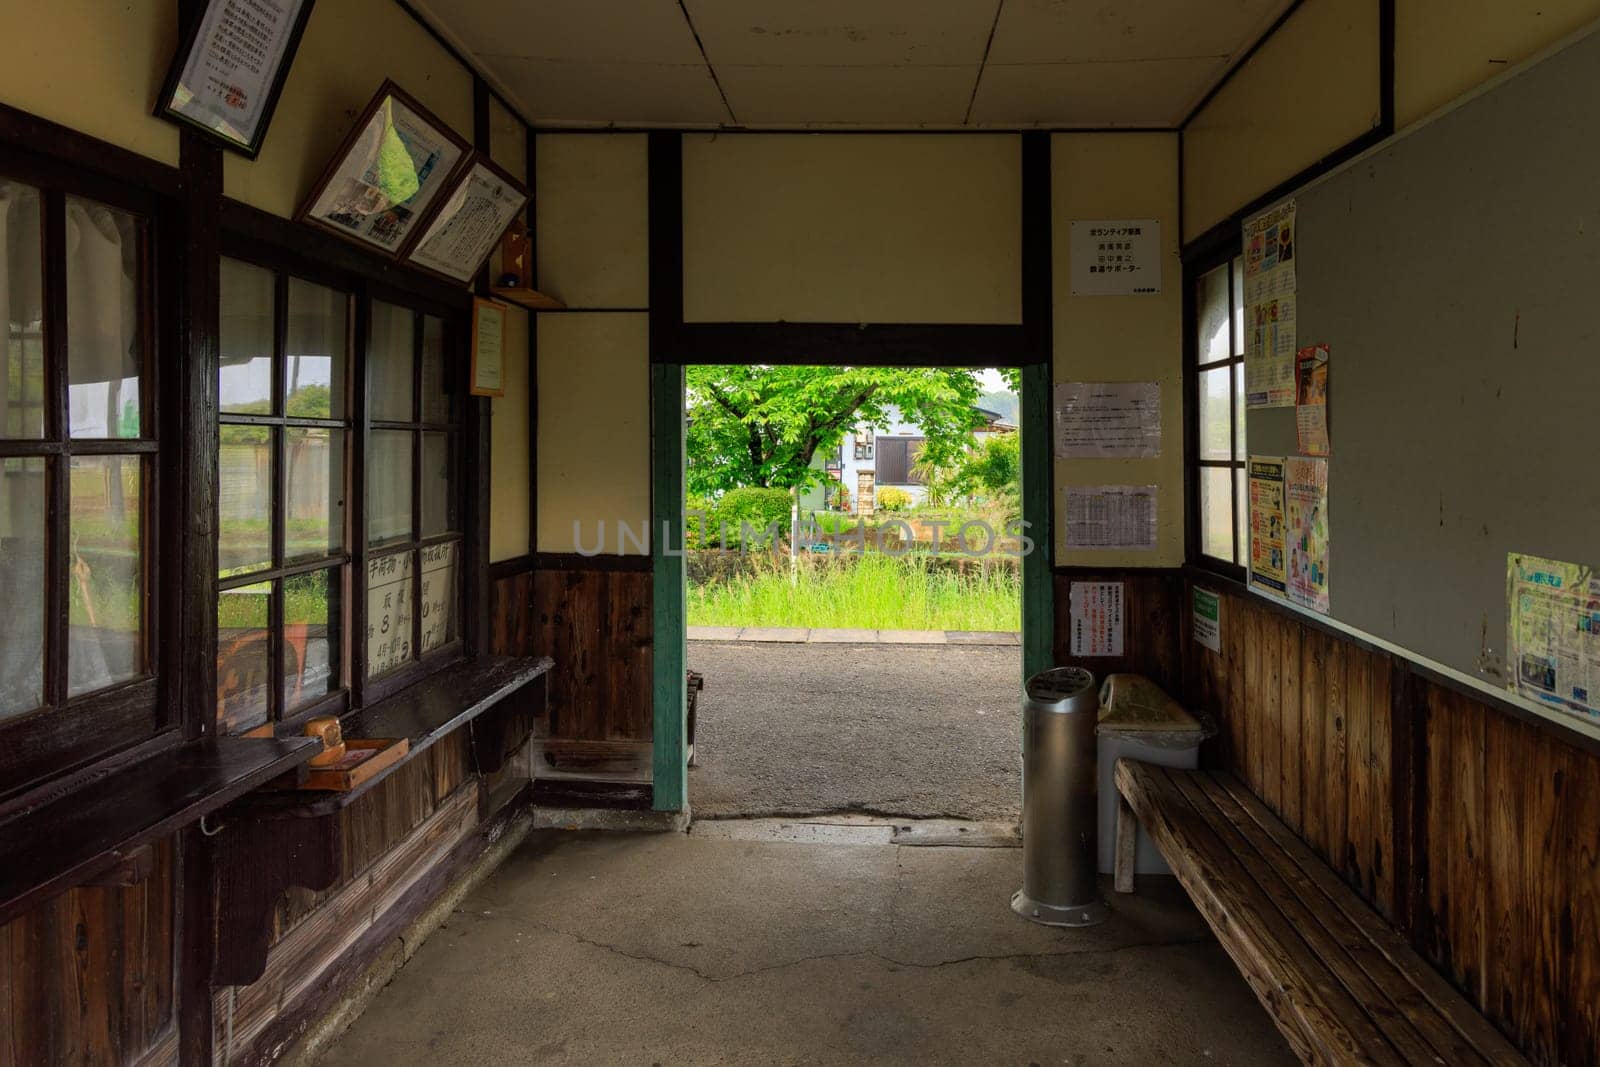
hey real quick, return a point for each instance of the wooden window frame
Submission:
(1221, 249)
(66, 732)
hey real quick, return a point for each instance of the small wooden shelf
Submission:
(76, 834)
(531, 299)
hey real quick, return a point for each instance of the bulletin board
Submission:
(1454, 273)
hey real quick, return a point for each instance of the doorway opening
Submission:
(855, 542)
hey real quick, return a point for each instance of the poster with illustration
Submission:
(1266, 524)
(1553, 632)
(1306, 491)
(1311, 399)
(1269, 353)
(1269, 248)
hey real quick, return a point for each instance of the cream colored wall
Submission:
(1121, 338)
(1443, 48)
(1312, 87)
(508, 448)
(594, 427)
(508, 140)
(349, 48)
(94, 66)
(592, 219)
(852, 228)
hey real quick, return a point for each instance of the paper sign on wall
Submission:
(1311, 399)
(1306, 494)
(1266, 524)
(1206, 616)
(1108, 420)
(1111, 516)
(1553, 632)
(1096, 619)
(1269, 288)
(1116, 257)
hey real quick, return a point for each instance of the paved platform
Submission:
(673, 949)
(800, 635)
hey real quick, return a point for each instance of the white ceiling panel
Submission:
(860, 96)
(1156, 92)
(824, 33)
(597, 31)
(620, 93)
(1055, 31)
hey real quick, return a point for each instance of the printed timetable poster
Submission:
(1553, 632)
(1306, 506)
(1269, 296)
(1266, 525)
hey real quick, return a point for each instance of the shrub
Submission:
(759, 508)
(891, 499)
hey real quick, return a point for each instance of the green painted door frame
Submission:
(670, 591)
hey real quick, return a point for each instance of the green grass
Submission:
(870, 592)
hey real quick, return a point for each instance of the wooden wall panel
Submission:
(596, 622)
(87, 976)
(1478, 834)
(511, 614)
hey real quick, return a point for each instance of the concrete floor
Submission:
(674, 949)
(797, 729)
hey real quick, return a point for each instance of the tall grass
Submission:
(869, 592)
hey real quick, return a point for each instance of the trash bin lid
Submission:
(1131, 703)
(1059, 684)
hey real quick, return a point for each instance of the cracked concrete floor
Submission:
(590, 948)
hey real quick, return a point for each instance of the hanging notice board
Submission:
(1454, 274)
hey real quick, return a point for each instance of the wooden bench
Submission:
(1339, 981)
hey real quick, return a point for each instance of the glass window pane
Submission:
(438, 595)
(313, 459)
(311, 639)
(106, 587)
(1238, 305)
(390, 362)
(1241, 486)
(22, 578)
(314, 352)
(244, 382)
(105, 327)
(391, 590)
(1239, 442)
(439, 510)
(389, 486)
(243, 662)
(244, 499)
(22, 311)
(438, 386)
(1211, 298)
(1216, 412)
(1216, 512)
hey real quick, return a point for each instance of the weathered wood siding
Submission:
(593, 617)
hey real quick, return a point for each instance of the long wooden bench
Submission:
(1339, 981)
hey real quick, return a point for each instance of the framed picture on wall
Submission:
(483, 203)
(488, 347)
(230, 67)
(389, 175)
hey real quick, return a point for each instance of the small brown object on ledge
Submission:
(325, 728)
(528, 298)
(362, 759)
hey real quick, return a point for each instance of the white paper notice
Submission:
(1111, 516)
(1096, 619)
(229, 74)
(1108, 420)
(1116, 257)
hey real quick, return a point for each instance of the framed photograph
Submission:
(488, 347)
(230, 67)
(388, 176)
(482, 204)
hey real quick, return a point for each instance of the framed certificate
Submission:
(488, 347)
(230, 67)
(389, 175)
(481, 205)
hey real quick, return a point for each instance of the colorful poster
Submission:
(1108, 420)
(1111, 516)
(1266, 524)
(1311, 399)
(1553, 632)
(1306, 492)
(1269, 350)
(1096, 619)
(1115, 257)
(1269, 265)
(1206, 613)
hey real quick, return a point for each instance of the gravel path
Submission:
(924, 732)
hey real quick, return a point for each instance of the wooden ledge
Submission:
(74, 836)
